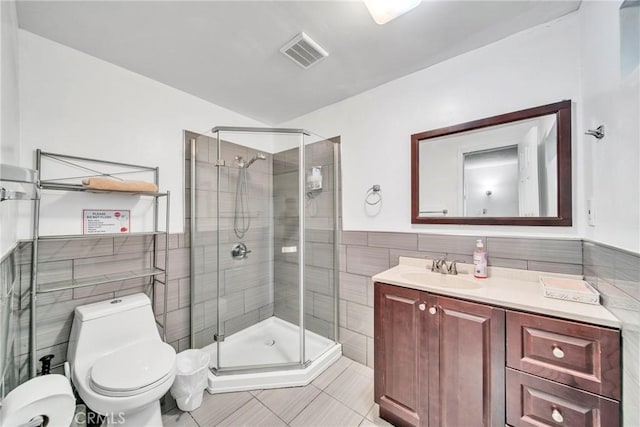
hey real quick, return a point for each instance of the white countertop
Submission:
(505, 287)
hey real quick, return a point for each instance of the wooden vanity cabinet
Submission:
(438, 361)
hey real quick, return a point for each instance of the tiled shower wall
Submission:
(246, 286)
(616, 274)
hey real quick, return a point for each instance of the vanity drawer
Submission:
(533, 401)
(579, 355)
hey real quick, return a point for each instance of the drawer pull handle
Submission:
(433, 310)
(422, 307)
(557, 416)
(557, 352)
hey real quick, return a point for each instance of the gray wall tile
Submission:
(549, 250)
(90, 267)
(354, 238)
(132, 244)
(354, 345)
(370, 352)
(342, 313)
(56, 271)
(360, 318)
(463, 245)
(56, 250)
(395, 254)
(407, 241)
(173, 298)
(178, 322)
(241, 322)
(321, 255)
(367, 261)
(318, 280)
(107, 289)
(613, 273)
(555, 267)
(255, 298)
(323, 307)
(507, 263)
(353, 288)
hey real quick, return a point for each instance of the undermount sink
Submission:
(427, 278)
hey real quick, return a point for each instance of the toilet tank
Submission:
(106, 326)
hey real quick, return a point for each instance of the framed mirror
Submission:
(511, 169)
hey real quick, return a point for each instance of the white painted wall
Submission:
(531, 68)
(9, 117)
(73, 103)
(611, 164)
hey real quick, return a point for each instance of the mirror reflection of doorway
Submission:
(491, 182)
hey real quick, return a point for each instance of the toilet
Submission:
(119, 365)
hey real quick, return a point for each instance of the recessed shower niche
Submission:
(263, 234)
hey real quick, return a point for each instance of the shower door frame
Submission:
(302, 362)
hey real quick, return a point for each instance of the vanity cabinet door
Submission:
(400, 355)
(467, 359)
(576, 354)
(536, 402)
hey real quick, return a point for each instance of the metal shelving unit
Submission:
(64, 183)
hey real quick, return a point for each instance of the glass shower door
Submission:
(201, 209)
(258, 243)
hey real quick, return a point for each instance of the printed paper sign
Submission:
(106, 221)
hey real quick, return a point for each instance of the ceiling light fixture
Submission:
(384, 11)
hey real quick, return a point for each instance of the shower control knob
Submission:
(240, 251)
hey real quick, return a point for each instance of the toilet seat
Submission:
(133, 369)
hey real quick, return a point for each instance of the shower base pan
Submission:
(270, 342)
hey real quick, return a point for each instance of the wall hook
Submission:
(597, 132)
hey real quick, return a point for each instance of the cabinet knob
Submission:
(433, 310)
(422, 307)
(557, 416)
(557, 352)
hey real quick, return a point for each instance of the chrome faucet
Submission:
(453, 268)
(440, 266)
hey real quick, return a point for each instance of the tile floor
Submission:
(341, 396)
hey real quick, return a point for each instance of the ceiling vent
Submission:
(304, 51)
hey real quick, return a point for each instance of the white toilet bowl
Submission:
(119, 365)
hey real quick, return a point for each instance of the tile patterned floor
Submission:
(342, 396)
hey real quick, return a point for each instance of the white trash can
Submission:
(191, 379)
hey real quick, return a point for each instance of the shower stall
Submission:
(262, 206)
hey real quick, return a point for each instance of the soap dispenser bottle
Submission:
(480, 261)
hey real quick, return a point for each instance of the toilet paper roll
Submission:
(49, 396)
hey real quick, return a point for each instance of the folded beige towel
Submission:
(108, 184)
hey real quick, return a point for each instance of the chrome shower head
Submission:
(259, 156)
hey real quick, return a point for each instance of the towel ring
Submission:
(374, 196)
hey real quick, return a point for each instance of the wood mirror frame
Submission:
(562, 110)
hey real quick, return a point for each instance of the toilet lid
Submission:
(133, 367)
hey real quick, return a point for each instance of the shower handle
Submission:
(240, 251)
